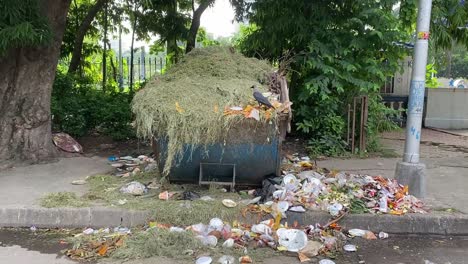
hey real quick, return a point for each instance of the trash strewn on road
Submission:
(128, 166)
(65, 142)
(302, 187)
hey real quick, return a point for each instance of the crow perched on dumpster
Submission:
(262, 100)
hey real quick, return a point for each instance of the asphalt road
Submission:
(18, 247)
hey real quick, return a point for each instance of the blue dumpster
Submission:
(248, 155)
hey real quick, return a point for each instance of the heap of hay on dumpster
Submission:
(185, 106)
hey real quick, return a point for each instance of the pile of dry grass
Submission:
(185, 106)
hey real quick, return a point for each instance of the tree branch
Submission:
(85, 24)
(192, 35)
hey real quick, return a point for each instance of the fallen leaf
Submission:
(281, 248)
(306, 164)
(302, 257)
(245, 259)
(178, 108)
(369, 235)
(277, 221)
(119, 242)
(103, 250)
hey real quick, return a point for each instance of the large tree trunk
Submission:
(85, 24)
(192, 35)
(26, 78)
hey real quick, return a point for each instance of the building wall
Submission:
(402, 79)
(447, 108)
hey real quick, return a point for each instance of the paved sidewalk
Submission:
(22, 187)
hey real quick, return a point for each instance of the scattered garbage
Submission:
(303, 188)
(176, 229)
(357, 232)
(165, 195)
(78, 182)
(210, 240)
(245, 259)
(204, 260)
(33, 228)
(335, 209)
(297, 209)
(229, 203)
(129, 166)
(312, 249)
(292, 239)
(122, 230)
(134, 188)
(187, 195)
(88, 231)
(350, 248)
(66, 143)
(229, 243)
(206, 198)
(216, 224)
(326, 261)
(225, 259)
(383, 235)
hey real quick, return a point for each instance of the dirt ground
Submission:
(104, 146)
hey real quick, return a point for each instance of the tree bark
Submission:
(104, 52)
(130, 89)
(114, 69)
(85, 24)
(171, 46)
(26, 78)
(192, 35)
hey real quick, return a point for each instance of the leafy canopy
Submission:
(22, 25)
(341, 49)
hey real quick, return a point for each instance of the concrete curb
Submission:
(418, 224)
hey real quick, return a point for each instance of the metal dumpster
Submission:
(249, 154)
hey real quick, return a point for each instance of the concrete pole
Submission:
(410, 172)
(142, 65)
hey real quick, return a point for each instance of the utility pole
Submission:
(143, 67)
(411, 172)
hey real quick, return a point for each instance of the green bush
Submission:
(78, 108)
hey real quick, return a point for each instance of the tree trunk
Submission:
(26, 78)
(171, 47)
(104, 52)
(130, 89)
(192, 35)
(114, 69)
(78, 46)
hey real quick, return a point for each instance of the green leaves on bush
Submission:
(341, 50)
(78, 108)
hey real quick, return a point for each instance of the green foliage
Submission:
(205, 40)
(341, 49)
(22, 25)
(448, 24)
(79, 108)
(379, 120)
(431, 80)
(459, 62)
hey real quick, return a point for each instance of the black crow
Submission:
(262, 100)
